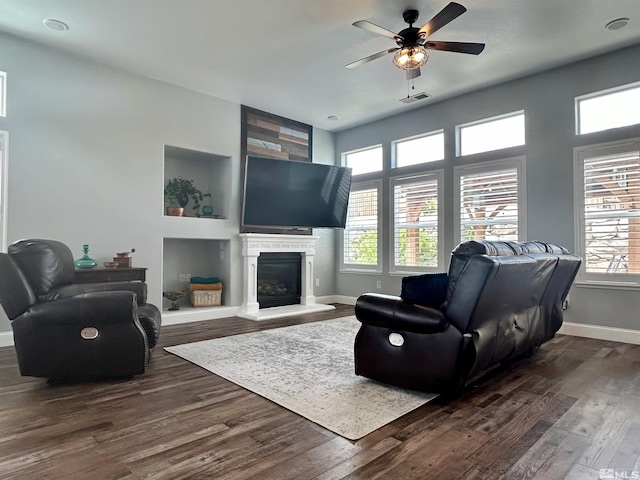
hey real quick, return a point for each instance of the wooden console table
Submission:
(98, 275)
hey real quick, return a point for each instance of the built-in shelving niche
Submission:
(199, 246)
(195, 257)
(211, 173)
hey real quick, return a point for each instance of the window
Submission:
(609, 216)
(422, 149)
(489, 201)
(360, 239)
(617, 107)
(491, 134)
(3, 94)
(416, 235)
(364, 161)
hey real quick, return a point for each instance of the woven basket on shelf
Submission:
(206, 298)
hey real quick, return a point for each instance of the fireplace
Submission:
(254, 248)
(279, 279)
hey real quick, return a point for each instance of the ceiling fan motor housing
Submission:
(410, 16)
(409, 36)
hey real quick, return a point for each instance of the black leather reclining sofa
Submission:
(498, 301)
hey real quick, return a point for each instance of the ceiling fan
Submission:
(413, 43)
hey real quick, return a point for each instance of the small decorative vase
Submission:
(85, 261)
(207, 210)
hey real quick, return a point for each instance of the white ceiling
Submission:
(287, 56)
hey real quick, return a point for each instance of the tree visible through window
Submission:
(360, 236)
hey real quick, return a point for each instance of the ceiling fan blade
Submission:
(364, 60)
(373, 28)
(415, 73)
(459, 47)
(447, 14)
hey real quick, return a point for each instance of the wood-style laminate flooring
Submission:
(566, 413)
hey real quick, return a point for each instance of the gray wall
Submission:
(86, 146)
(86, 149)
(548, 101)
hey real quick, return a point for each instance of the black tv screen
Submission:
(285, 193)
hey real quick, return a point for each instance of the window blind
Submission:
(361, 230)
(415, 221)
(489, 205)
(612, 213)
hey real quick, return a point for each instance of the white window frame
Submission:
(461, 127)
(364, 149)
(4, 183)
(355, 268)
(601, 93)
(3, 94)
(519, 163)
(438, 176)
(613, 280)
(395, 143)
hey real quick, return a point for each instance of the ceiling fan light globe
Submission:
(410, 58)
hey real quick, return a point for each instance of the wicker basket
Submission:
(206, 298)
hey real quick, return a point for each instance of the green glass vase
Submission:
(85, 261)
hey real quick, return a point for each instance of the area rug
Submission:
(309, 370)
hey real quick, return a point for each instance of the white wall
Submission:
(86, 158)
(548, 101)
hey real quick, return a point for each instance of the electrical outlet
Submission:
(317, 282)
(182, 278)
(187, 277)
(378, 284)
(566, 303)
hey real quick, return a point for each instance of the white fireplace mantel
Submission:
(253, 244)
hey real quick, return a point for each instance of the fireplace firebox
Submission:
(279, 279)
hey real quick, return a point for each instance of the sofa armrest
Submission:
(429, 290)
(91, 309)
(139, 288)
(392, 312)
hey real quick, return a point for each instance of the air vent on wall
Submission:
(415, 98)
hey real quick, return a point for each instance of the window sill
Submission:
(360, 271)
(608, 285)
(399, 273)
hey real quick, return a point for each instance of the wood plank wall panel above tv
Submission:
(268, 135)
(265, 134)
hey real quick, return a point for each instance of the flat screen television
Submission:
(291, 194)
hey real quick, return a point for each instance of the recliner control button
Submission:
(89, 333)
(396, 339)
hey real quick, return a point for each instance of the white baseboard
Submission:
(612, 334)
(6, 339)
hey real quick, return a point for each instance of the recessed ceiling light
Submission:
(617, 24)
(333, 117)
(56, 25)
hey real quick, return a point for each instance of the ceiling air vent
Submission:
(415, 98)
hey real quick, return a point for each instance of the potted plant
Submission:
(177, 194)
(171, 205)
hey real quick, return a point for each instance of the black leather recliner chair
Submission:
(498, 301)
(67, 331)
